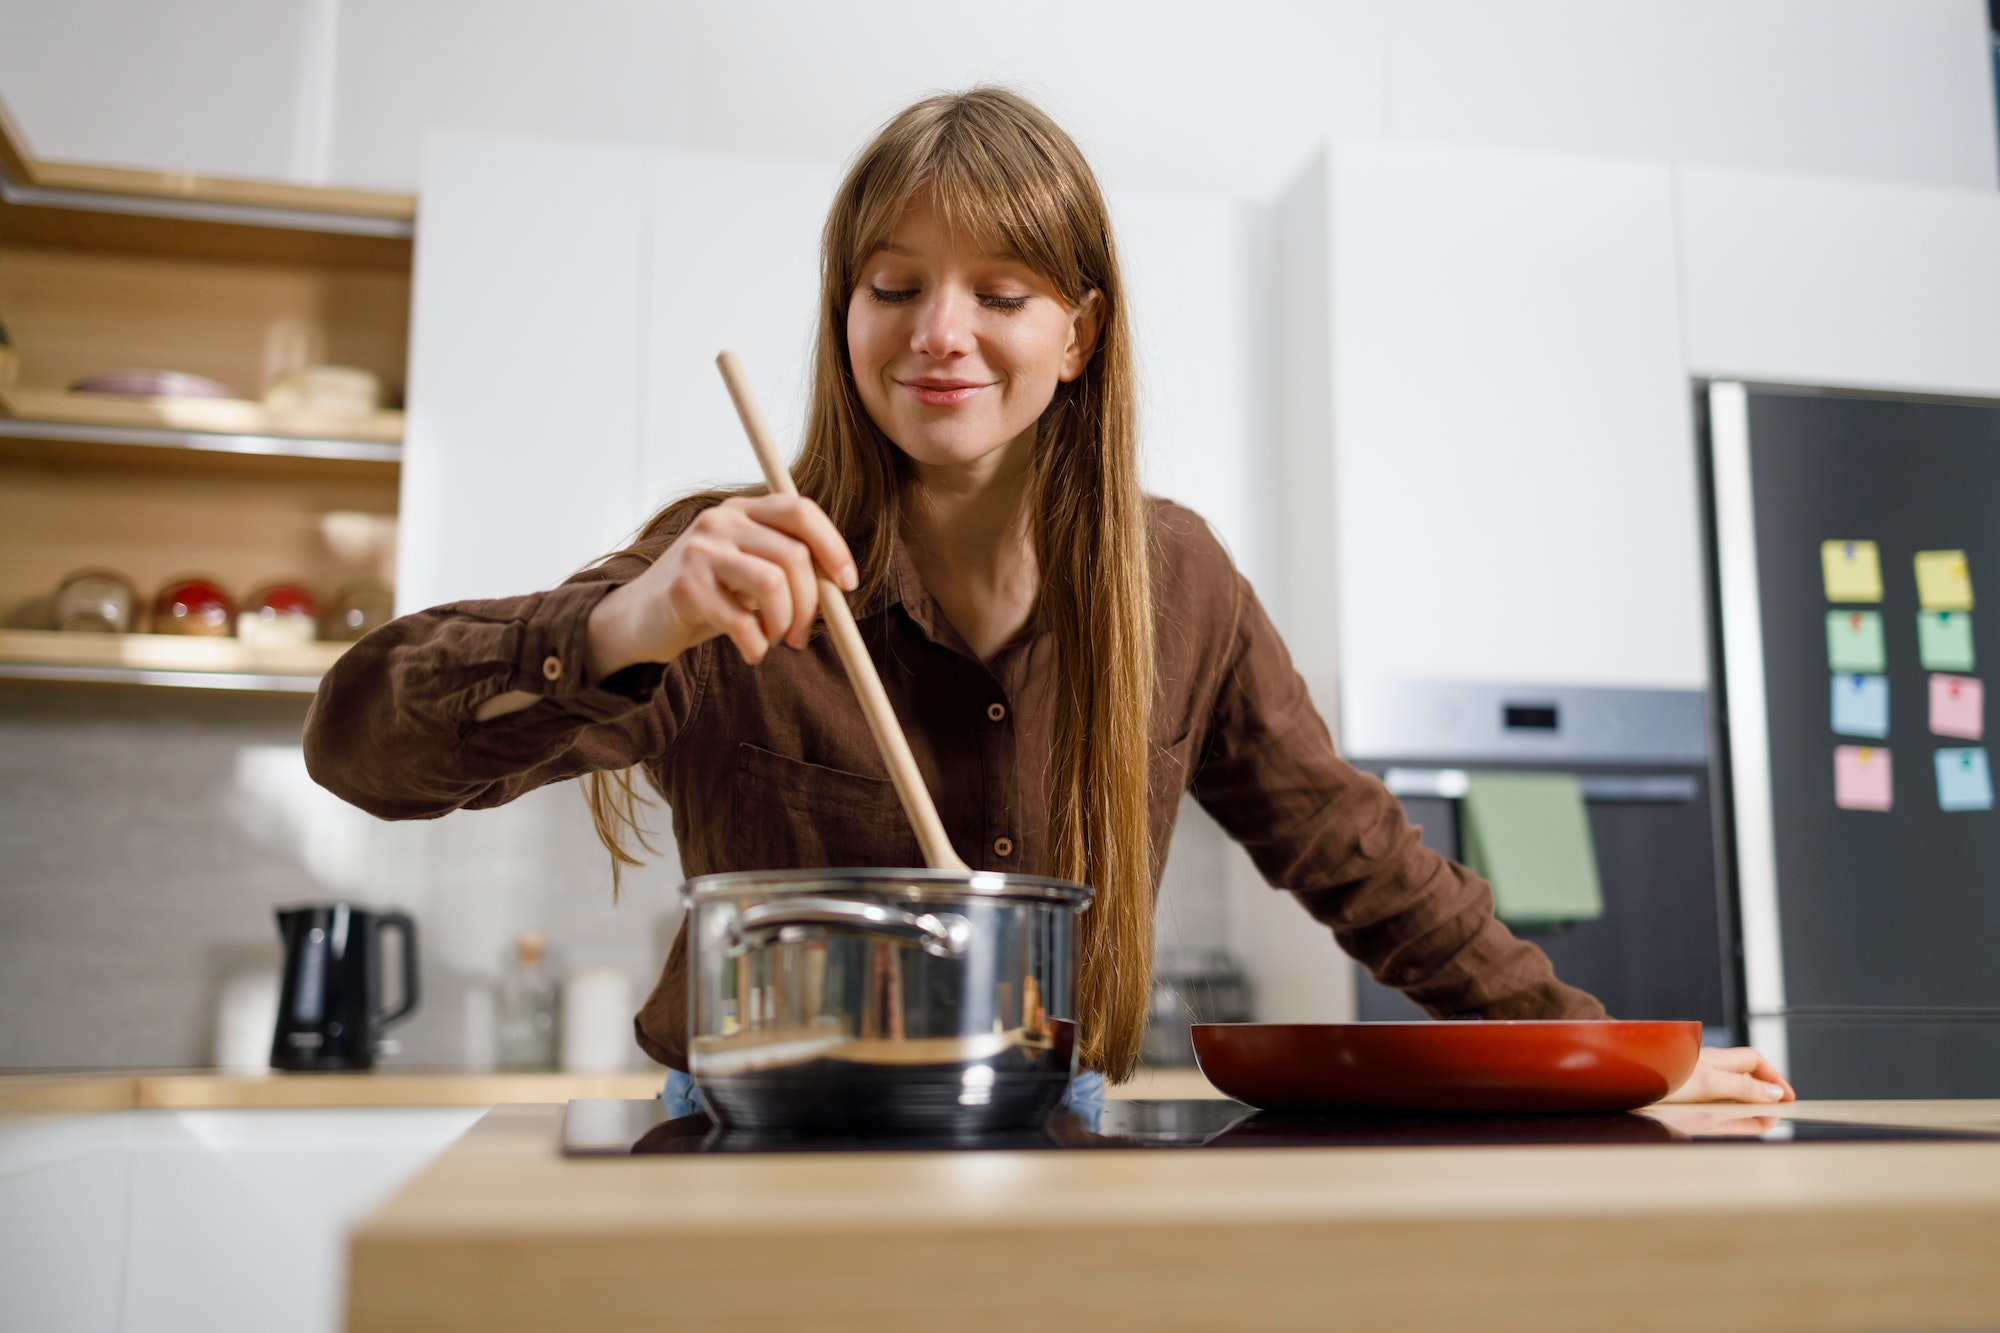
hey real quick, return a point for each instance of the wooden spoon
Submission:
(889, 738)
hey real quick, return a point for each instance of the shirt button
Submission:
(1003, 846)
(995, 712)
(552, 668)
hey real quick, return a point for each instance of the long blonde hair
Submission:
(996, 167)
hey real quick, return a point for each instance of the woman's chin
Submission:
(955, 449)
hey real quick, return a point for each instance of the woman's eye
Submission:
(891, 296)
(1003, 302)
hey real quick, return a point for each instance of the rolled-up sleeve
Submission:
(1335, 837)
(393, 728)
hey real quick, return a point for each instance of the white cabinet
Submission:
(64, 1198)
(138, 1221)
(1797, 280)
(733, 263)
(526, 363)
(1511, 493)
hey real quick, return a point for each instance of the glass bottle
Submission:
(527, 1010)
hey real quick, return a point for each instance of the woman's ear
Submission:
(1084, 326)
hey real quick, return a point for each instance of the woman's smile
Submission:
(938, 391)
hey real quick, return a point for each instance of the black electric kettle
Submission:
(330, 1013)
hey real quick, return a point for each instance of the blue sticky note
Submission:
(1964, 782)
(1861, 706)
(1854, 641)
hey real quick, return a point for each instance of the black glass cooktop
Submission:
(622, 1128)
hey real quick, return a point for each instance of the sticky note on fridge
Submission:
(1944, 640)
(1944, 582)
(1853, 571)
(1854, 641)
(1861, 778)
(1958, 707)
(1964, 781)
(1861, 706)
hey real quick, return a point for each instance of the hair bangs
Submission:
(994, 185)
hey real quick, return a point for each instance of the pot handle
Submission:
(790, 920)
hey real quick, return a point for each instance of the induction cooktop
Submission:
(603, 1128)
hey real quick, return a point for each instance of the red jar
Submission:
(279, 613)
(194, 606)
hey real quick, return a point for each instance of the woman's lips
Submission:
(942, 393)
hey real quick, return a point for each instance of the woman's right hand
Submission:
(744, 568)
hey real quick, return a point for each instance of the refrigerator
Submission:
(1850, 540)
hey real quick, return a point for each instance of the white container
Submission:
(246, 1018)
(597, 1021)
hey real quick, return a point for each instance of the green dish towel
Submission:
(1528, 835)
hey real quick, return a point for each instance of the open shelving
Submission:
(239, 281)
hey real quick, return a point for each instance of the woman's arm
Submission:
(405, 725)
(474, 703)
(1342, 844)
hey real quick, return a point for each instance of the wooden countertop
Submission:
(501, 1231)
(189, 1090)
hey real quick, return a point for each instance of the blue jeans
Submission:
(1084, 1100)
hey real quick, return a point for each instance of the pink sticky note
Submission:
(1958, 706)
(1860, 777)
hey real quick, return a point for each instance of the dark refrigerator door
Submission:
(1658, 951)
(1889, 920)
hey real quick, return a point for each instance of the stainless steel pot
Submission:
(882, 1001)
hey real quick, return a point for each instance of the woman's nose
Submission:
(943, 325)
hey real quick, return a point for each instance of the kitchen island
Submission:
(501, 1231)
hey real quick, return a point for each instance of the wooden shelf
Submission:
(163, 660)
(213, 418)
(84, 187)
(93, 443)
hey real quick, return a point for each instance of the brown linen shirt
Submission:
(773, 766)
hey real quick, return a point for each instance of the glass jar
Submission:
(527, 1009)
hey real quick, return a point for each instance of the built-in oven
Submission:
(1665, 945)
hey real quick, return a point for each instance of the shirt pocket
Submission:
(790, 814)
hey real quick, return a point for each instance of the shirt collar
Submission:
(903, 586)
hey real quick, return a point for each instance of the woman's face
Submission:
(957, 351)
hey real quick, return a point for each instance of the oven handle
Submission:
(1647, 788)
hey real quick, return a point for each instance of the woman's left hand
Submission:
(1734, 1074)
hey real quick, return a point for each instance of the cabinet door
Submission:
(734, 264)
(526, 364)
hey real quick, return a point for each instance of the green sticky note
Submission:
(1528, 835)
(1854, 641)
(1944, 640)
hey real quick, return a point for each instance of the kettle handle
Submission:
(402, 922)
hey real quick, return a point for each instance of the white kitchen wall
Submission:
(1171, 95)
(149, 836)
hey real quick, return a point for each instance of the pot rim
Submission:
(904, 885)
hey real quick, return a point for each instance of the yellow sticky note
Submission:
(1944, 583)
(1853, 571)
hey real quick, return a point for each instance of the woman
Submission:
(1067, 655)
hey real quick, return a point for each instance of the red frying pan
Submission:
(1505, 1065)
